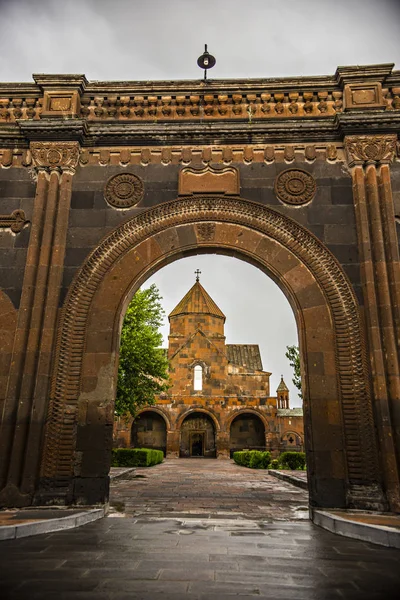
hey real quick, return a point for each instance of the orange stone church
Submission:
(219, 397)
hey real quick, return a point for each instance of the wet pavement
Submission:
(219, 555)
(208, 488)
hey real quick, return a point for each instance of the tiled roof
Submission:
(282, 387)
(245, 355)
(197, 301)
(289, 412)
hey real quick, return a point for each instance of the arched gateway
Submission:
(197, 433)
(129, 177)
(326, 313)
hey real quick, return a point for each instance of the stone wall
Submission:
(298, 176)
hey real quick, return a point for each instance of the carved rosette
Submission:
(50, 156)
(124, 190)
(295, 187)
(370, 149)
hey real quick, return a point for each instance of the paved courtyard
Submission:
(194, 487)
(233, 533)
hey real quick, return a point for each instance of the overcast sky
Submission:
(161, 39)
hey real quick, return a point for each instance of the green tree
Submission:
(293, 355)
(143, 365)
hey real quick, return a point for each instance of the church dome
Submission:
(197, 301)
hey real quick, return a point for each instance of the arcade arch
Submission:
(197, 436)
(326, 312)
(247, 431)
(149, 430)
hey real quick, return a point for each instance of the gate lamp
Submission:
(206, 61)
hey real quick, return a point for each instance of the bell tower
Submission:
(282, 394)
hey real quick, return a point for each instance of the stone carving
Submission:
(331, 152)
(208, 180)
(7, 158)
(310, 153)
(295, 187)
(246, 154)
(355, 395)
(55, 155)
(15, 221)
(370, 149)
(124, 190)
(205, 231)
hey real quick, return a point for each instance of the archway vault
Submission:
(339, 428)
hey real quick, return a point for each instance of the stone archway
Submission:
(247, 431)
(197, 436)
(340, 437)
(149, 430)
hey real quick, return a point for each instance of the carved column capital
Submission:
(55, 156)
(370, 149)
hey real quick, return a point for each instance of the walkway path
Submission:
(208, 488)
(245, 556)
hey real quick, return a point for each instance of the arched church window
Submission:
(198, 378)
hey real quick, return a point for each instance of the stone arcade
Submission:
(103, 183)
(219, 397)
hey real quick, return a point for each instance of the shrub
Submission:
(136, 457)
(242, 458)
(254, 459)
(274, 464)
(292, 460)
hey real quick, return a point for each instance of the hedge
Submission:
(292, 460)
(253, 459)
(136, 457)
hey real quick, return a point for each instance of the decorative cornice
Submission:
(57, 81)
(197, 156)
(60, 156)
(363, 73)
(370, 149)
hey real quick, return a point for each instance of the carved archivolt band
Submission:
(350, 351)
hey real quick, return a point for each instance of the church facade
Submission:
(219, 398)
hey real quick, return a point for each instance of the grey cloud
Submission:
(131, 39)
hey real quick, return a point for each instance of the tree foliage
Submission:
(143, 365)
(293, 355)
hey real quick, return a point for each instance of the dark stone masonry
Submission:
(103, 183)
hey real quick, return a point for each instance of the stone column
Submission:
(222, 443)
(369, 158)
(27, 393)
(172, 443)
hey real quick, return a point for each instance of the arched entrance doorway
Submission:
(197, 437)
(247, 431)
(337, 395)
(149, 431)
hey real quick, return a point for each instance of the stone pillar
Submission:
(369, 158)
(27, 392)
(172, 443)
(222, 444)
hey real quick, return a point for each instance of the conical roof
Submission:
(197, 301)
(282, 387)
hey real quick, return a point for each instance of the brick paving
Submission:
(212, 557)
(208, 488)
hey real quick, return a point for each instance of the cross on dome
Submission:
(197, 273)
